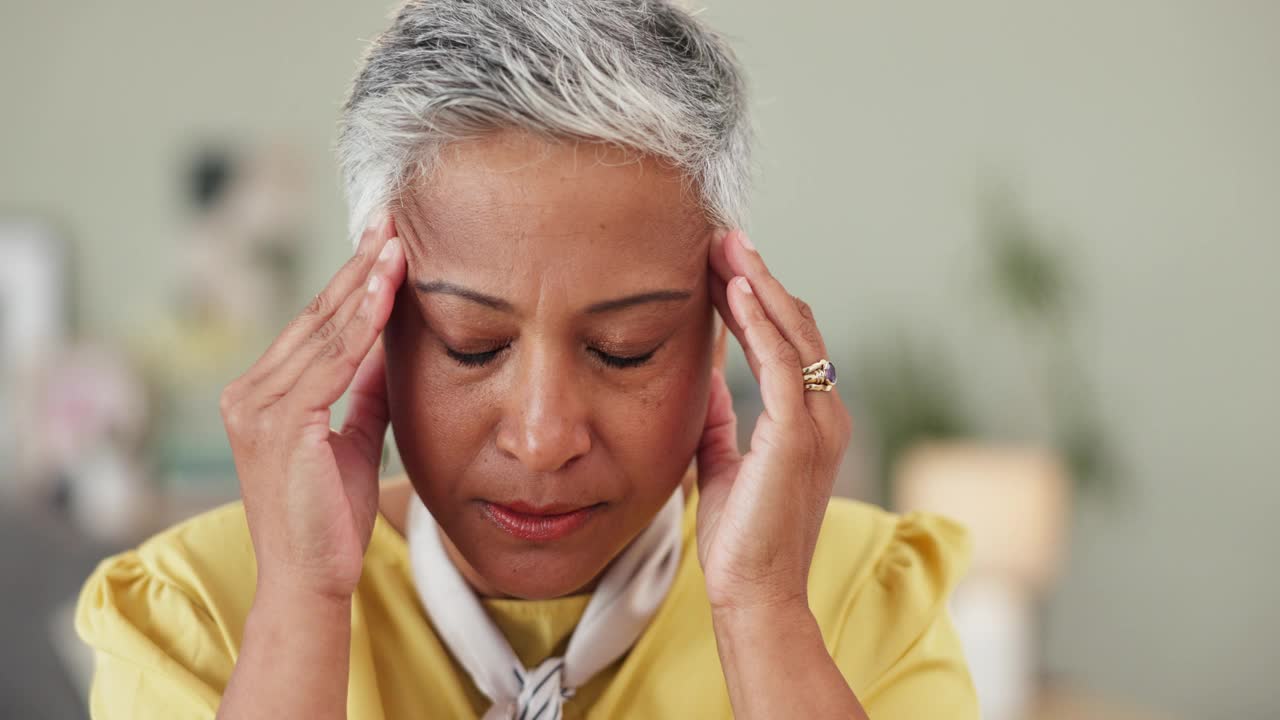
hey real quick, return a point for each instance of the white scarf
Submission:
(625, 599)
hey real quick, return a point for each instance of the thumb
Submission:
(721, 346)
(367, 416)
(718, 456)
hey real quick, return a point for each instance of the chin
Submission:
(541, 574)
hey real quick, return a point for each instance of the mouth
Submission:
(538, 524)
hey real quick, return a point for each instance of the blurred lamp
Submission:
(1013, 500)
(1014, 503)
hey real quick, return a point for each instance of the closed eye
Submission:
(481, 359)
(615, 361)
(475, 359)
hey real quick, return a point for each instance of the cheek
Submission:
(439, 426)
(662, 420)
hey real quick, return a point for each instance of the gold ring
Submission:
(820, 376)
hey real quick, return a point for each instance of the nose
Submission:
(545, 423)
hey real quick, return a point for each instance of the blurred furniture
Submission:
(46, 556)
(1066, 704)
(44, 560)
(1014, 501)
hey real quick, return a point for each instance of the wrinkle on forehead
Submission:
(517, 188)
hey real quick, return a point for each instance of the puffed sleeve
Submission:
(897, 636)
(158, 652)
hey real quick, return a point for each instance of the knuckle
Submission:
(229, 397)
(265, 423)
(357, 260)
(841, 437)
(335, 348)
(803, 307)
(229, 402)
(361, 317)
(316, 306)
(846, 430)
(785, 353)
(809, 326)
(298, 321)
(233, 418)
(810, 335)
(324, 332)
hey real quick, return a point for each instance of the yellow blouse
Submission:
(165, 621)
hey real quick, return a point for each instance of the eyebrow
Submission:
(448, 288)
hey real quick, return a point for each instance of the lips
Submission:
(538, 523)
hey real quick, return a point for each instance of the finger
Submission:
(330, 372)
(720, 349)
(719, 443)
(778, 370)
(719, 297)
(827, 409)
(718, 448)
(318, 342)
(367, 415)
(719, 261)
(315, 318)
(795, 322)
(792, 317)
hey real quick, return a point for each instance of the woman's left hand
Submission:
(759, 514)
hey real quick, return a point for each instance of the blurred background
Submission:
(1048, 239)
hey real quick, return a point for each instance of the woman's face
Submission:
(549, 353)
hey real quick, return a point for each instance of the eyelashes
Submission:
(623, 362)
(474, 359)
(480, 359)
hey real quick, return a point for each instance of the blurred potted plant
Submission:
(1013, 490)
(912, 393)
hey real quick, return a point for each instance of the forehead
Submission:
(512, 205)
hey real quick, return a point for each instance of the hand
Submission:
(759, 514)
(311, 493)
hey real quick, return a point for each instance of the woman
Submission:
(545, 194)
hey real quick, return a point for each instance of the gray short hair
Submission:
(640, 74)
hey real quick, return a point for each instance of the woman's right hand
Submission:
(311, 493)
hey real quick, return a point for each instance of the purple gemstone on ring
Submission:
(831, 373)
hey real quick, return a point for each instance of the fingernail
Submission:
(719, 234)
(389, 249)
(375, 282)
(745, 286)
(746, 242)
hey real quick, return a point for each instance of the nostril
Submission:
(549, 448)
